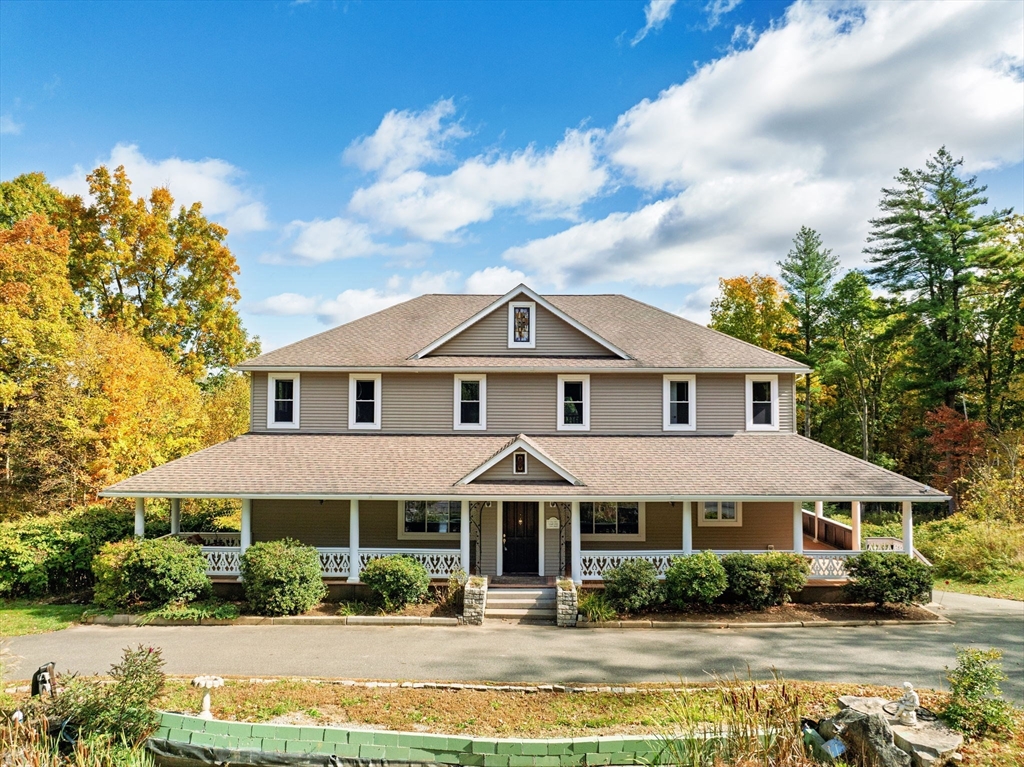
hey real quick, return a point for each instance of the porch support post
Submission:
(175, 516)
(576, 568)
(687, 528)
(464, 534)
(499, 558)
(855, 524)
(908, 529)
(798, 527)
(140, 517)
(540, 538)
(819, 507)
(353, 541)
(245, 537)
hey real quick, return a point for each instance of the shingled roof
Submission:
(752, 466)
(653, 338)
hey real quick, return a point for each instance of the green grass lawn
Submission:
(1010, 588)
(23, 616)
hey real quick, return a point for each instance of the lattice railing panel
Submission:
(222, 560)
(334, 563)
(824, 564)
(439, 562)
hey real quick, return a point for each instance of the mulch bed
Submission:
(424, 610)
(816, 613)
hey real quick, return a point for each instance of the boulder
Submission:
(868, 736)
(929, 744)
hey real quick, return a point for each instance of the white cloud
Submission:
(551, 183)
(319, 241)
(406, 140)
(9, 126)
(494, 279)
(215, 183)
(716, 9)
(803, 127)
(656, 13)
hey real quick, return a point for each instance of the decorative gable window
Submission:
(522, 325)
(429, 519)
(762, 403)
(612, 520)
(470, 402)
(720, 514)
(283, 401)
(574, 403)
(519, 463)
(364, 398)
(679, 411)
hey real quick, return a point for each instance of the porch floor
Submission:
(812, 545)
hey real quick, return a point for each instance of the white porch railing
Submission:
(888, 543)
(212, 539)
(439, 562)
(224, 561)
(824, 564)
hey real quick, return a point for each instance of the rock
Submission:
(868, 735)
(928, 743)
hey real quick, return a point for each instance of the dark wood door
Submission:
(520, 538)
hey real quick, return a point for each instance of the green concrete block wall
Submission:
(411, 746)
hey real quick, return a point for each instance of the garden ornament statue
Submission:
(906, 707)
(207, 683)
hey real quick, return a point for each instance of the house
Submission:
(529, 435)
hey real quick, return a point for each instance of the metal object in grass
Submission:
(207, 683)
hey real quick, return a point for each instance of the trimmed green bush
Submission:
(764, 580)
(397, 580)
(155, 572)
(633, 586)
(888, 578)
(282, 577)
(787, 574)
(697, 579)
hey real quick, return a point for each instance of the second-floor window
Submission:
(364, 401)
(762, 403)
(283, 401)
(470, 402)
(574, 402)
(679, 406)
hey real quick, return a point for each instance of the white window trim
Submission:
(640, 536)
(378, 396)
(271, 379)
(404, 536)
(532, 343)
(774, 380)
(526, 463)
(457, 414)
(738, 522)
(562, 426)
(666, 408)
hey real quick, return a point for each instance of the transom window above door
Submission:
(679, 403)
(470, 402)
(574, 402)
(283, 401)
(612, 520)
(364, 401)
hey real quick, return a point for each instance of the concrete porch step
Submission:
(519, 593)
(542, 614)
(538, 603)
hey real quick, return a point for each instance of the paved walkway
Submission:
(509, 652)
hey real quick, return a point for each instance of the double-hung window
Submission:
(612, 520)
(470, 402)
(762, 403)
(574, 403)
(679, 410)
(429, 519)
(522, 325)
(283, 401)
(364, 401)
(720, 514)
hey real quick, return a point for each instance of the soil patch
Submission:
(423, 610)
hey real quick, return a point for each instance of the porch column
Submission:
(908, 528)
(464, 534)
(175, 516)
(576, 568)
(819, 507)
(140, 517)
(245, 537)
(353, 541)
(499, 557)
(798, 527)
(687, 528)
(855, 524)
(540, 538)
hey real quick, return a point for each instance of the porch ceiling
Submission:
(744, 466)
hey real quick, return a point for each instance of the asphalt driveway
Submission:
(515, 653)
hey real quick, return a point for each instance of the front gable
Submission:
(521, 460)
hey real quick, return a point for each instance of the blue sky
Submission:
(364, 152)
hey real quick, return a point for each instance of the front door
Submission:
(519, 535)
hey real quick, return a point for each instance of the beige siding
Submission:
(626, 404)
(522, 402)
(258, 402)
(764, 525)
(489, 540)
(419, 403)
(663, 528)
(552, 542)
(324, 402)
(721, 404)
(555, 338)
(535, 472)
(787, 402)
(310, 522)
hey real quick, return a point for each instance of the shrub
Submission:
(764, 580)
(972, 550)
(595, 607)
(787, 574)
(975, 707)
(157, 571)
(697, 579)
(282, 577)
(397, 580)
(888, 578)
(633, 586)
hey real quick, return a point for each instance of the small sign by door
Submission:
(551, 523)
